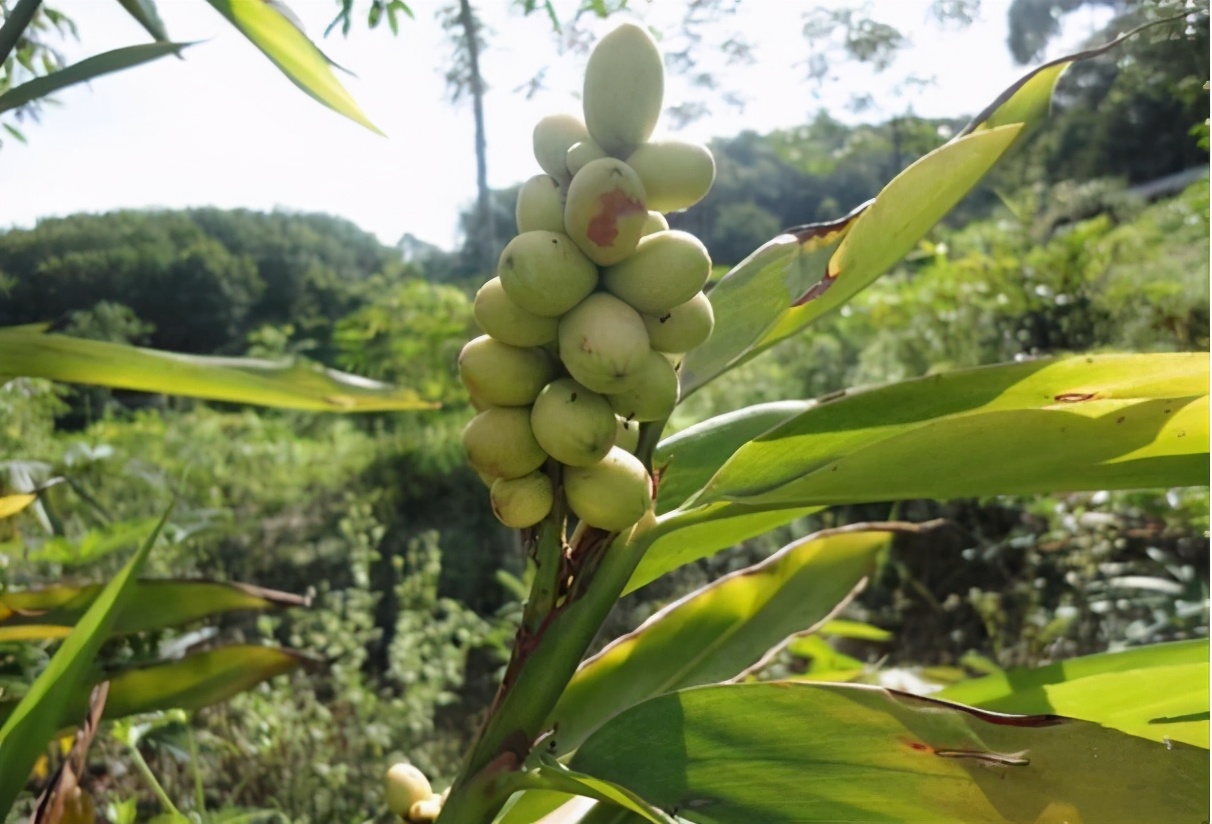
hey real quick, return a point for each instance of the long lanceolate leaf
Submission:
(29, 351)
(783, 752)
(281, 40)
(719, 631)
(87, 69)
(45, 707)
(1085, 422)
(801, 275)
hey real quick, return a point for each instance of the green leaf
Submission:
(49, 703)
(29, 351)
(292, 52)
(1115, 689)
(51, 612)
(85, 70)
(553, 775)
(1093, 422)
(16, 21)
(719, 631)
(684, 536)
(192, 682)
(839, 628)
(788, 751)
(687, 460)
(144, 11)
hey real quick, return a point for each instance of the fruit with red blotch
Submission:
(611, 494)
(603, 343)
(676, 174)
(624, 88)
(553, 136)
(522, 502)
(500, 443)
(652, 395)
(545, 273)
(540, 205)
(667, 268)
(405, 785)
(502, 375)
(509, 323)
(604, 213)
(682, 328)
(573, 424)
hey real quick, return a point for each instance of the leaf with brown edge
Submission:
(62, 792)
(772, 752)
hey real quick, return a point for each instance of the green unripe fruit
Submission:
(509, 323)
(405, 785)
(605, 212)
(522, 502)
(545, 273)
(502, 375)
(499, 443)
(667, 268)
(540, 205)
(676, 175)
(612, 494)
(684, 327)
(652, 395)
(573, 424)
(627, 435)
(603, 343)
(553, 136)
(624, 87)
(581, 153)
(656, 222)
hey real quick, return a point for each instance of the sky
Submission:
(223, 128)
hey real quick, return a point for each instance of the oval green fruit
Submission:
(499, 443)
(682, 328)
(667, 268)
(676, 175)
(498, 374)
(545, 273)
(652, 395)
(627, 435)
(656, 222)
(604, 213)
(603, 343)
(509, 323)
(582, 153)
(574, 425)
(540, 205)
(624, 89)
(611, 494)
(522, 502)
(405, 785)
(553, 136)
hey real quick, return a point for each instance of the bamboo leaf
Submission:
(145, 12)
(49, 702)
(288, 48)
(788, 751)
(31, 352)
(85, 70)
(719, 631)
(1116, 689)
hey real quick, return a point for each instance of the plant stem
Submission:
(157, 790)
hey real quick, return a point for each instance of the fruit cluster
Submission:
(594, 302)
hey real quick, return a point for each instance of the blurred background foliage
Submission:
(1094, 238)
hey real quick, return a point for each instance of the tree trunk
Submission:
(467, 20)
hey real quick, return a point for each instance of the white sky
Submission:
(222, 127)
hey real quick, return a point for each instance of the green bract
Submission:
(653, 393)
(502, 375)
(582, 153)
(683, 327)
(603, 343)
(668, 268)
(499, 443)
(624, 87)
(612, 494)
(539, 205)
(545, 273)
(509, 323)
(522, 502)
(605, 212)
(676, 175)
(553, 135)
(574, 425)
